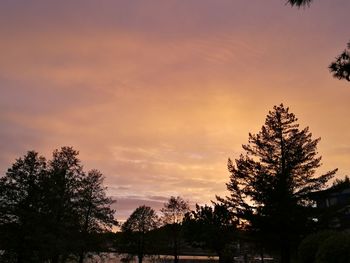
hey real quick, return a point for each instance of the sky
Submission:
(157, 95)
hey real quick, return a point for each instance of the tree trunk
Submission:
(221, 257)
(176, 257)
(285, 251)
(262, 254)
(19, 258)
(54, 259)
(81, 257)
(141, 247)
(245, 258)
(85, 231)
(225, 257)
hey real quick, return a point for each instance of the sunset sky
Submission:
(157, 94)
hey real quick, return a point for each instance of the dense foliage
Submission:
(211, 227)
(135, 229)
(299, 2)
(341, 66)
(53, 211)
(270, 183)
(173, 214)
(49, 210)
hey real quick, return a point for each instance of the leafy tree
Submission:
(140, 222)
(95, 209)
(62, 206)
(174, 210)
(212, 228)
(270, 184)
(48, 210)
(173, 213)
(20, 208)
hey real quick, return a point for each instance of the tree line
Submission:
(209, 229)
(50, 210)
(53, 211)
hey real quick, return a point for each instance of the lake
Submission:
(123, 258)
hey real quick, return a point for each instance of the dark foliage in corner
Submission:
(341, 66)
(300, 2)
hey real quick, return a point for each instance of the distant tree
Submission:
(95, 210)
(270, 184)
(212, 228)
(341, 183)
(140, 222)
(174, 210)
(173, 213)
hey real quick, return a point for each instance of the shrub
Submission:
(309, 247)
(335, 249)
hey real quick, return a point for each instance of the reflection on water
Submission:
(123, 258)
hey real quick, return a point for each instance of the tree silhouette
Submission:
(49, 210)
(140, 222)
(341, 66)
(300, 2)
(173, 213)
(270, 184)
(63, 216)
(20, 208)
(212, 228)
(341, 184)
(95, 209)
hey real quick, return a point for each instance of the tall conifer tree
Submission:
(270, 183)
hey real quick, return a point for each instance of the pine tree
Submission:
(341, 66)
(270, 184)
(299, 2)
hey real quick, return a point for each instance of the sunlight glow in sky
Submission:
(158, 94)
